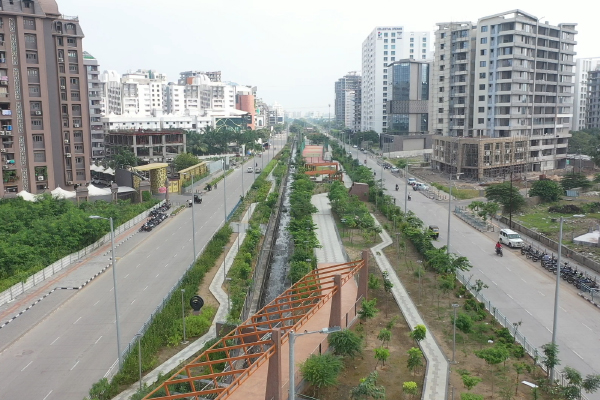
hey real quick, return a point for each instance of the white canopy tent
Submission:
(96, 191)
(25, 195)
(60, 193)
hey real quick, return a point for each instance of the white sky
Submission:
(292, 51)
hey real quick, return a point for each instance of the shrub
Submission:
(345, 343)
(464, 323)
(470, 396)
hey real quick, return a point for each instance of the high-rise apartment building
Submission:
(142, 92)
(111, 93)
(95, 103)
(347, 107)
(383, 46)
(45, 129)
(593, 100)
(580, 102)
(517, 95)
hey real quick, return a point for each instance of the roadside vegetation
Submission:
(33, 235)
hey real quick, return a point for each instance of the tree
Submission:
(387, 286)
(505, 194)
(415, 359)
(185, 160)
(572, 181)
(345, 343)
(470, 381)
(367, 310)
(547, 190)
(410, 388)
(385, 335)
(122, 157)
(550, 360)
(418, 333)
(381, 354)
(493, 356)
(374, 282)
(520, 367)
(368, 389)
(196, 143)
(321, 370)
(576, 383)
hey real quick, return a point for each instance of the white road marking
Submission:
(126, 276)
(586, 326)
(76, 321)
(97, 302)
(138, 265)
(47, 395)
(175, 255)
(523, 280)
(189, 240)
(548, 329)
(26, 366)
(494, 283)
(54, 341)
(541, 293)
(563, 309)
(508, 269)
(133, 301)
(74, 365)
(172, 233)
(111, 289)
(167, 265)
(145, 288)
(180, 227)
(157, 275)
(148, 256)
(509, 295)
(98, 340)
(577, 354)
(527, 311)
(182, 247)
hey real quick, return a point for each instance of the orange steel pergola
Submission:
(221, 369)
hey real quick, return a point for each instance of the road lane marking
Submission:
(509, 295)
(126, 276)
(494, 283)
(76, 321)
(138, 265)
(157, 275)
(527, 311)
(26, 366)
(54, 341)
(111, 289)
(167, 265)
(173, 233)
(189, 240)
(98, 339)
(508, 269)
(97, 302)
(74, 365)
(548, 329)
(586, 326)
(563, 309)
(133, 301)
(182, 247)
(47, 395)
(523, 280)
(541, 293)
(577, 354)
(148, 256)
(145, 288)
(175, 255)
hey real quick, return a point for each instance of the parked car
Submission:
(355, 146)
(258, 170)
(434, 231)
(421, 186)
(250, 169)
(510, 238)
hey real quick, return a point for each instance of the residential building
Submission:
(111, 93)
(276, 114)
(174, 98)
(383, 46)
(518, 94)
(142, 92)
(245, 101)
(95, 89)
(45, 130)
(347, 106)
(580, 104)
(214, 76)
(593, 100)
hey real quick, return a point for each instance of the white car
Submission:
(421, 186)
(510, 238)
(355, 146)
(250, 169)
(412, 181)
(395, 170)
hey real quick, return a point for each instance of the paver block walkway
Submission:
(331, 250)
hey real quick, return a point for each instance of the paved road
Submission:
(522, 290)
(68, 341)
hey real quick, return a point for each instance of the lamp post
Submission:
(114, 270)
(450, 209)
(139, 336)
(193, 221)
(293, 335)
(556, 290)
(225, 194)
(183, 316)
(405, 188)
(455, 306)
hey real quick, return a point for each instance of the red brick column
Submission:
(363, 277)
(274, 376)
(335, 315)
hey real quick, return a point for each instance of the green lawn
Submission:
(539, 219)
(461, 194)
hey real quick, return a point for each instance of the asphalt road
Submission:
(68, 341)
(520, 289)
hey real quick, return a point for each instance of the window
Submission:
(37, 124)
(385, 58)
(29, 23)
(424, 51)
(481, 109)
(482, 87)
(72, 54)
(481, 98)
(31, 57)
(424, 39)
(385, 34)
(75, 95)
(443, 35)
(484, 28)
(393, 34)
(412, 45)
(483, 52)
(393, 40)
(442, 57)
(482, 63)
(73, 68)
(424, 44)
(34, 91)
(440, 99)
(440, 110)
(442, 78)
(35, 105)
(385, 53)
(440, 120)
(385, 40)
(412, 51)
(482, 75)
(71, 42)
(393, 53)
(412, 39)
(442, 67)
(442, 46)
(385, 46)
(480, 120)
(483, 40)
(441, 89)
(74, 81)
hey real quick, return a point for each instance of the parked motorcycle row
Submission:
(156, 216)
(567, 273)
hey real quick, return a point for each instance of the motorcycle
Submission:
(409, 198)
(499, 251)
(397, 188)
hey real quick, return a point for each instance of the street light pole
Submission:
(455, 306)
(292, 341)
(225, 194)
(555, 322)
(114, 268)
(405, 188)
(193, 222)
(449, 212)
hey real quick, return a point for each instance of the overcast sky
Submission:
(292, 51)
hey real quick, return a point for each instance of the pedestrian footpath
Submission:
(436, 376)
(332, 250)
(220, 316)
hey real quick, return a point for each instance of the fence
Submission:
(472, 220)
(513, 328)
(566, 252)
(11, 293)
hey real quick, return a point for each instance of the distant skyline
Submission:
(293, 53)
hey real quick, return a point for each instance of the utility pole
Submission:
(556, 291)
(510, 199)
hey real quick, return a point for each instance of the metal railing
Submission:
(11, 293)
(472, 220)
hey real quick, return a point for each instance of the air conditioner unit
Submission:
(76, 126)
(66, 141)
(2, 133)
(5, 167)
(63, 87)
(68, 155)
(2, 150)
(69, 183)
(38, 113)
(60, 59)
(41, 178)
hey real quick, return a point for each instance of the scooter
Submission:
(409, 198)
(499, 251)
(397, 188)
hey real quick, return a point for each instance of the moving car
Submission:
(510, 238)
(250, 169)
(355, 146)
(412, 181)
(258, 170)
(420, 186)
(394, 170)
(434, 231)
